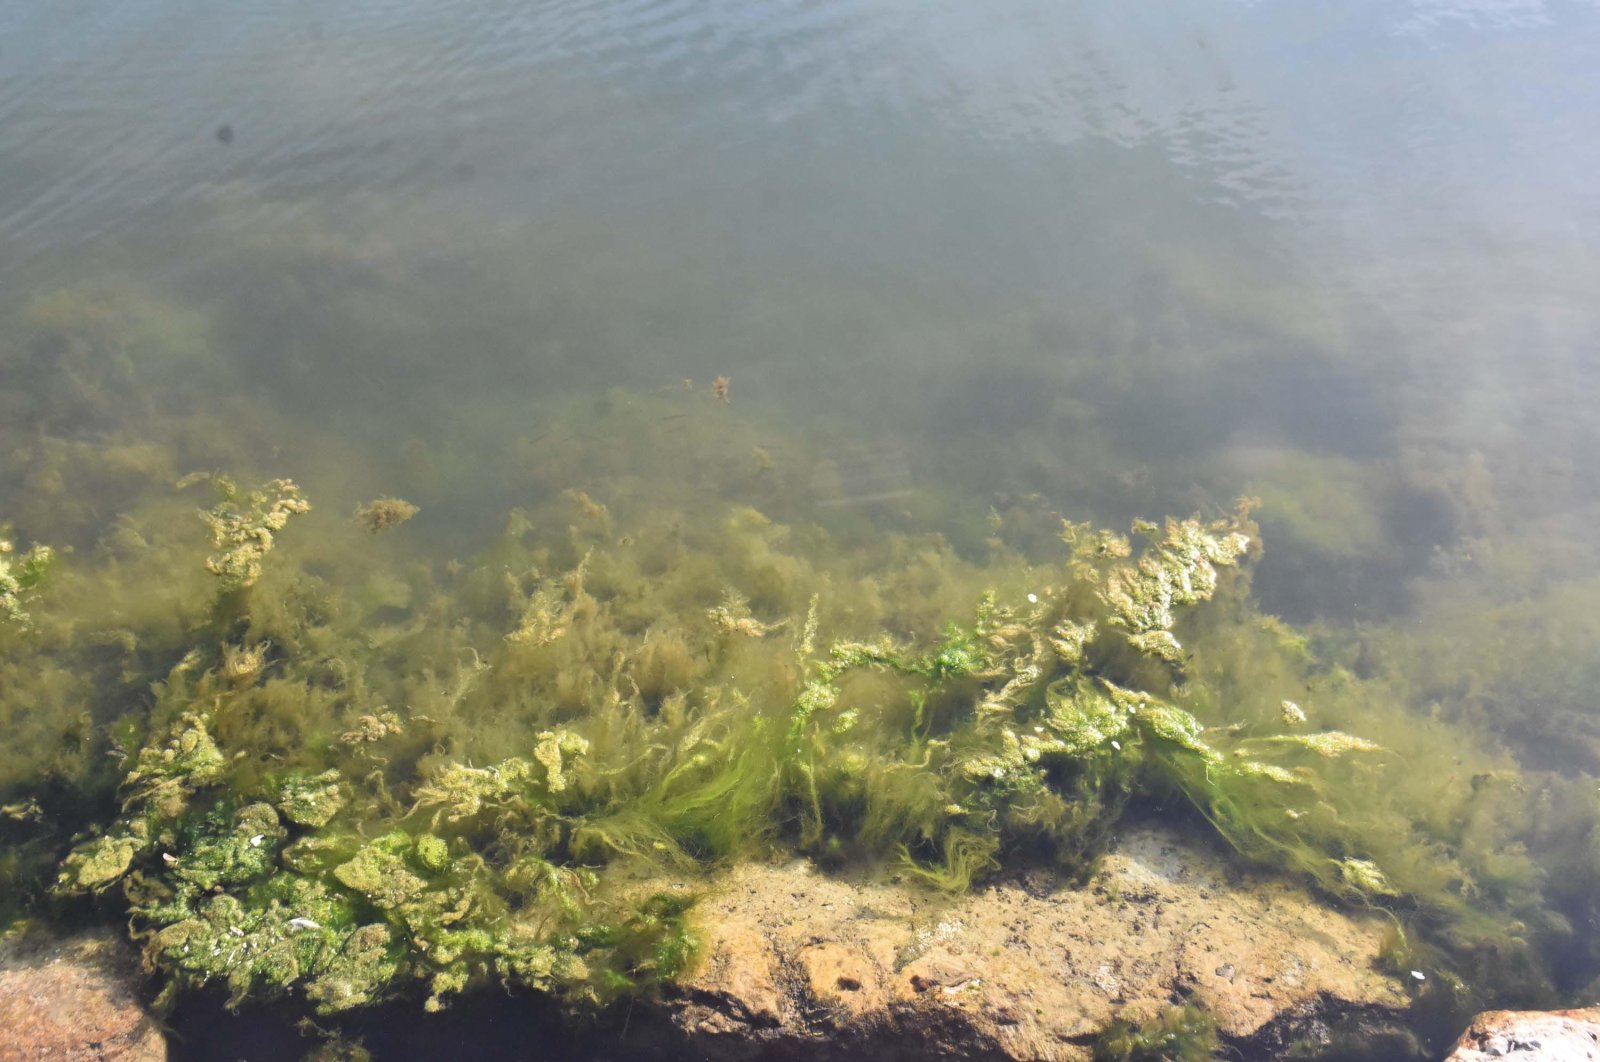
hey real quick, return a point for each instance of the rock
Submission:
(803, 964)
(73, 999)
(1550, 1036)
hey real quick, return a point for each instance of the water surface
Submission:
(952, 259)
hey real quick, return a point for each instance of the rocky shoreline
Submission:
(79, 999)
(800, 964)
(805, 965)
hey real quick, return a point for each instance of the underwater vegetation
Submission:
(1181, 1034)
(19, 576)
(305, 759)
(381, 514)
(291, 823)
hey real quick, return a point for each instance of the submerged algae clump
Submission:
(222, 891)
(20, 575)
(242, 528)
(1180, 1034)
(381, 514)
(1180, 568)
(311, 801)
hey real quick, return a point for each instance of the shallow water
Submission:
(962, 268)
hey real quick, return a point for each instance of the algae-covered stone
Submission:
(311, 801)
(317, 854)
(432, 852)
(364, 968)
(1082, 718)
(230, 849)
(98, 864)
(1028, 968)
(378, 872)
(168, 774)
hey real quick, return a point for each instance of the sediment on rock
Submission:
(1564, 1035)
(74, 999)
(804, 965)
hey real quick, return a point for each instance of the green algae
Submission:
(348, 767)
(343, 863)
(1179, 1034)
(312, 801)
(20, 576)
(242, 528)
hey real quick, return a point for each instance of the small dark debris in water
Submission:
(224, 133)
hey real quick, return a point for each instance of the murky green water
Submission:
(715, 342)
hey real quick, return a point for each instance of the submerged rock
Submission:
(802, 964)
(1557, 1036)
(73, 999)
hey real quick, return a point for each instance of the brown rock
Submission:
(73, 999)
(1550, 1036)
(801, 963)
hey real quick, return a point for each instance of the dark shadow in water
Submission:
(1318, 404)
(1177, 411)
(485, 1026)
(1301, 583)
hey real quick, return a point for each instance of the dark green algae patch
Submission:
(309, 761)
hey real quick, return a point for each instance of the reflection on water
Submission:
(959, 262)
(1356, 232)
